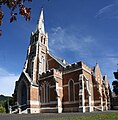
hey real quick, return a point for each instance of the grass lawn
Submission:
(105, 116)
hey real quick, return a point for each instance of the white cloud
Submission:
(67, 39)
(7, 82)
(104, 9)
(109, 11)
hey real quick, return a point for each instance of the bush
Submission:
(2, 109)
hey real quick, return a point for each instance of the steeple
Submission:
(40, 25)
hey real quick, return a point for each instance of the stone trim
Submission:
(52, 86)
(33, 110)
(65, 85)
(75, 83)
(73, 102)
(53, 102)
(98, 101)
(45, 77)
(82, 68)
(46, 108)
(33, 102)
(86, 70)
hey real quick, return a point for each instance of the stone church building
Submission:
(49, 84)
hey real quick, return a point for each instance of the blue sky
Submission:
(84, 30)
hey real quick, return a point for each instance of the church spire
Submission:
(40, 25)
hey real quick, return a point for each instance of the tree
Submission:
(2, 109)
(115, 83)
(9, 102)
(13, 6)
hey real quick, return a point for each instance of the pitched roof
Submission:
(62, 62)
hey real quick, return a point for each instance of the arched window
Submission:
(71, 90)
(32, 65)
(43, 64)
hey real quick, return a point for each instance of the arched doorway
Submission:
(23, 96)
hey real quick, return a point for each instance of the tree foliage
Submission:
(9, 102)
(115, 83)
(115, 87)
(13, 6)
(5, 103)
(2, 109)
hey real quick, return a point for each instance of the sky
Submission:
(79, 30)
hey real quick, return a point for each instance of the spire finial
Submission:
(40, 25)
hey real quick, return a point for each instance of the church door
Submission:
(24, 96)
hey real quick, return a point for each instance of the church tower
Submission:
(36, 55)
(26, 92)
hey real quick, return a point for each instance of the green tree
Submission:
(7, 103)
(115, 83)
(2, 109)
(115, 87)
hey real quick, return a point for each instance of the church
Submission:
(48, 84)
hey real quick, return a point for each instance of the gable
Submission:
(54, 62)
(97, 74)
(106, 82)
(24, 78)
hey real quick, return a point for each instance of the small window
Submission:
(41, 39)
(44, 40)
